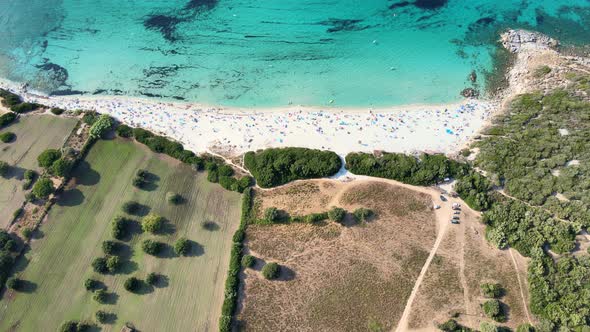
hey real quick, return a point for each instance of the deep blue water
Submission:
(270, 52)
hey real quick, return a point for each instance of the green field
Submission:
(34, 134)
(59, 262)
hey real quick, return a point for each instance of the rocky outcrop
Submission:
(470, 93)
(516, 40)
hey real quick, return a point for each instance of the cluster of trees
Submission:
(534, 150)
(274, 167)
(15, 103)
(474, 189)
(559, 290)
(7, 249)
(422, 171)
(107, 264)
(513, 223)
(7, 118)
(75, 326)
(232, 282)
(55, 162)
(273, 215)
(219, 172)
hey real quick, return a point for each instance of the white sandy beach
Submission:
(227, 131)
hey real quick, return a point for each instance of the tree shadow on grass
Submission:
(141, 210)
(210, 226)
(128, 267)
(85, 175)
(144, 288)
(168, 228)
(132, 227)
(111, 298)
(110, 319)
(167, 251)
(71, 197)
(195, 249)
(123, 250)
(162, 281)
(15, 172)
(26, 286)
(287, 274)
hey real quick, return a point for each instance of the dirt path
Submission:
(524, 302)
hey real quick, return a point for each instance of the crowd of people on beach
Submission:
(404, 129)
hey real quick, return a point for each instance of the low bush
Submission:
(274, 167)
(152, 247)
(57, 111)
(100, 296)
(30, 174)
(362, 214)
(336, 214)
(99, 265)
(4, 168)
(7, 137)
(271, 271)
(90, 117)
(173, 198)
(9, 99)
(488, 327)
(91, 284)
(491, 290)
(493, 310)
(152, 278)
(271, 214)
(132, 284)
(101, 126)
(27, 233)
(182, 246)
(248, 261)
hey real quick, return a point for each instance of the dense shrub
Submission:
(101, 316)
(152, 223)
(27, 233)
(152, 278)
(6, 242)
(452, 326)
(274, 167)
(100, 265)
(91, 284)
(7, 137)
(491, 290)
(113, 263)
(90, 117)
(30, 174)
(362, 214)
(493, 310)
(57, 111)
(132, 284)
(119, 228)
(182, 246)
(43, 188)
(69, 326)
(4, 168)
(473, 189)
(124, 131)
(7, 118)
(109, 247)
(9, 99)
(152, 247)
(423, 171)
(100, 296)
(315, 217)
(101, 126)
(526, 327)
(14, 283)
(48, 157)
(271, 214)
(488, 327)
(173, 198)
(271, 270)
(336, 214)
(61, 167)
(25, 107)
(131, 207)
(248, 261)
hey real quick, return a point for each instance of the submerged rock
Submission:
(473, 76)
(470, 93)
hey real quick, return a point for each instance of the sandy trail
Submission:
(524, 302)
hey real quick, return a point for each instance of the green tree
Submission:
(152, 223)
(100, 296)
(4, 168)
(43, 188)
(48, 157)
(101, 126)
(336, 214)
(113, 263)
(173, 198)
(492, 290)
(493, 309)
(271, 271)
(132, 284)
(91, 284)
(151, 247)
(248, 261)
(61, 167)
(7, 137)
(271, 214)
(182, 246)
(152, 278)
(100, 265)
(362, 214)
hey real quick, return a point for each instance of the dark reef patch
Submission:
(337, 25)
(54, 73)
(66, 92)
(430, 4)
(201, 5)
(400, 5)
(164, 24)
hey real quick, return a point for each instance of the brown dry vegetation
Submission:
(339, 278)
(452, 283)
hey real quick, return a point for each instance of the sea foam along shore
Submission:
(229, 132)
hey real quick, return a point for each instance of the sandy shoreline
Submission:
(232, 131)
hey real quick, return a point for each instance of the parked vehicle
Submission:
(457, 212)
(454, 221)
(443, 198)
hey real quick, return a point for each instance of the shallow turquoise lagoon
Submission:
(269, 52)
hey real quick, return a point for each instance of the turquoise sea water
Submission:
(269, 52)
